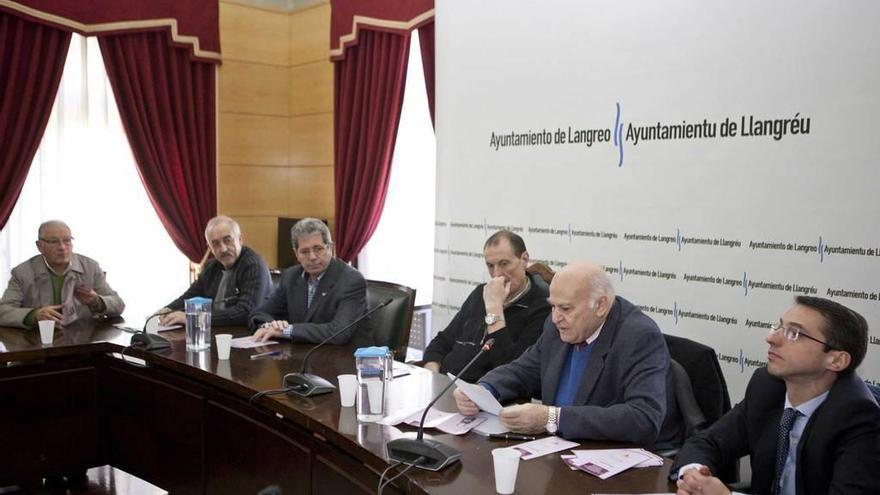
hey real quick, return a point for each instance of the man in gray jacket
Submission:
(57, 284)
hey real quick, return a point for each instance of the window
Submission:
(84, 173)
(402, 248)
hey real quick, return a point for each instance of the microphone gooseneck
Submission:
(424, 453)
(147, 341)
(487, 346)
(305, 362)
(305, 384)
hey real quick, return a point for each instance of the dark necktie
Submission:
(785, 425)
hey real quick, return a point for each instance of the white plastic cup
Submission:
(348, 385)
(506, 462)
(224, 344)
(47, 331)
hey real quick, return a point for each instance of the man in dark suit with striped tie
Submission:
(316, 298)
(808, 421)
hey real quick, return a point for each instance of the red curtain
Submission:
(195, 24)
(368, 98)
(31, 62)
(426, 44)
(166, 101)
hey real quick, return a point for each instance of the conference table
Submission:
(182, 421)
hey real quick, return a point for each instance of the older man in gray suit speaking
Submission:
(57, 284)
(600, 368)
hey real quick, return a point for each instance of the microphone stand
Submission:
(148, 341)
(306, 384)
(435, 455)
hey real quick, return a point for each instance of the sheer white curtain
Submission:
(402, 248)
(84, 173)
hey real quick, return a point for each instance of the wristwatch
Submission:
(552, 419)
(492, 319)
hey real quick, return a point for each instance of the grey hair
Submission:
(47, 224)
(308, 227)
(600, 285)
(236, 229)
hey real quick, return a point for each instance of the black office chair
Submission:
(702, 367)
(699, 363)
(391, 324)
(693, 418)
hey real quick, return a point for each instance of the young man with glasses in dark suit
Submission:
(809, 423)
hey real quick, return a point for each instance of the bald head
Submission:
(54, 226)
(589, 277)
(581, 295)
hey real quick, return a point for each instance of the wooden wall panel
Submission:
(254, 190)
(310, 35)
(253, 139)
(261, 234)
(254, 88)
(254, 35)
(311, 192)
(276, 119)
(311, 140)
(311, 88)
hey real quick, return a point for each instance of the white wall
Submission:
(773, 211)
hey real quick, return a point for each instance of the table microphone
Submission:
(148, 341)
(437, 455)
(306, 384)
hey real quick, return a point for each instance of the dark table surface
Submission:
(241, 376)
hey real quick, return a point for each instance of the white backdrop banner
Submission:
(717, 159)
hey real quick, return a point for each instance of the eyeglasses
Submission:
(792, 334)
(67, 241)
(225, 241)
(318, 250)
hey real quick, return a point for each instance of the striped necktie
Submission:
(788, 418)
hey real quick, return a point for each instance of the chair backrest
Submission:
(691, 413)
(702, 367)
(542, 270)
(391, 324)
(700, 364)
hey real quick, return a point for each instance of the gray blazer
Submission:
(341, 298)
(622, 395)
(30, 288)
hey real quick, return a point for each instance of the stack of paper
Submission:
(447, 422)
(543, 446)
(248, 342)
(605, 463)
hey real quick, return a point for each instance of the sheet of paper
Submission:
(397, 417)
(459, 424)
(606, 463)
(154, 327)
(491, 425)
(653, 460)
(432, 419)
(447, 422)
(481, 397)
(68, 310)
(247, 342)
(543, 446)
